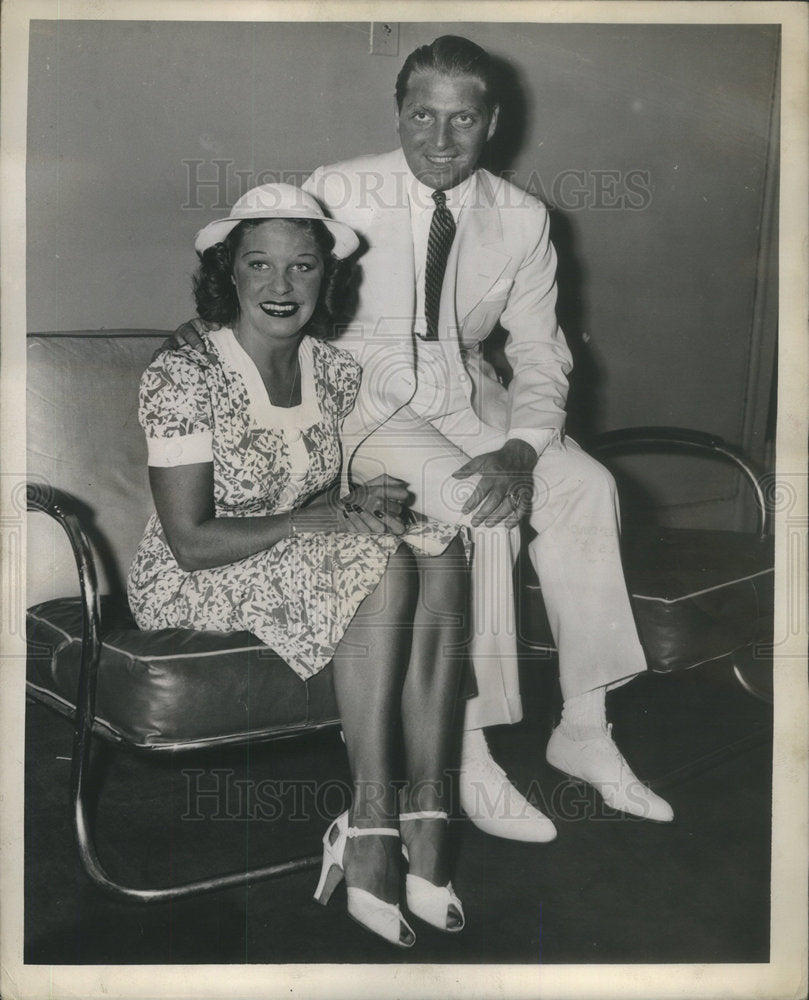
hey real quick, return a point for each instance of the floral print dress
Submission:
(299, 596)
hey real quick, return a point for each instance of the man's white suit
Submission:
(424, 409)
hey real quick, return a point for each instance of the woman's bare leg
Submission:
(431, 716)
(370, 665)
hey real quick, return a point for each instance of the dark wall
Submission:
(652, 144)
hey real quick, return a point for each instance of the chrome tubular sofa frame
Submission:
(679, 439)
(57, 506)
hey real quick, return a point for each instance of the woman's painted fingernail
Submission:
(380, 514)
(356, 508)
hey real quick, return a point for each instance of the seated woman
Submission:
(249, 534)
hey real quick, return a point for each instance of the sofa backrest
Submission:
(83, 438)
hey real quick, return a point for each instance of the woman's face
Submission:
(277, 270)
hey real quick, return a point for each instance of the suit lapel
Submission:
(479, 249)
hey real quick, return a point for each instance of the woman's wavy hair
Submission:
(215, 293)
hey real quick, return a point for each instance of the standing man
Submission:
(451, 252)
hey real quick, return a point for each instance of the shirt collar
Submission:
(421, 196)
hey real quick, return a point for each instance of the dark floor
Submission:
(608, 890)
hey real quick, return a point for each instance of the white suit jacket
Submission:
(501, 268)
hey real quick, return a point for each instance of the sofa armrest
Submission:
(62, 509)
(635, 439)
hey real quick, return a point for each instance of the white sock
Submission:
(585, 716)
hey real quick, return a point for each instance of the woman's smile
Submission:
(280, 310)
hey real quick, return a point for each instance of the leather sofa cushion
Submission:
(173, 687)
(697, 595)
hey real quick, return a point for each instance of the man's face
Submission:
(443, 125)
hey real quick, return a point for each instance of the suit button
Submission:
(294, 434)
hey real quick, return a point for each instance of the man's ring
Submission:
(514, 500)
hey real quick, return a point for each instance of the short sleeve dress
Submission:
(299, 596)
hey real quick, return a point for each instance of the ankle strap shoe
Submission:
(377, 916)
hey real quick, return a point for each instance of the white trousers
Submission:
(575, 552)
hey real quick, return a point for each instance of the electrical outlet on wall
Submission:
(384, 38)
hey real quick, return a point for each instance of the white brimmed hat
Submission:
(277, 201)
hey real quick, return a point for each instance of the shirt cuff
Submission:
(189, 449)
(538, 439)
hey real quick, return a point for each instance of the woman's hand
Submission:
(199, 539)
(377, 506)
(381, 501)
(188, 335)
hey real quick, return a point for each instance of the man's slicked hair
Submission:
(450, 55)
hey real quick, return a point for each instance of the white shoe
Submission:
(492, 803)
(599, 762)
(384, 919)
(435, 904)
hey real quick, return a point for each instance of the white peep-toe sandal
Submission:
(384, 919)
(431, 902)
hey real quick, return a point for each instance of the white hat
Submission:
(277, 201)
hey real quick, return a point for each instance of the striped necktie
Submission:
(442, 232)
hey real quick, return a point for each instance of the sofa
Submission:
(699, 596)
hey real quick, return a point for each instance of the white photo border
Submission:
(786, 973)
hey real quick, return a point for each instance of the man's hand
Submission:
(506, 484)
(187, 335)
